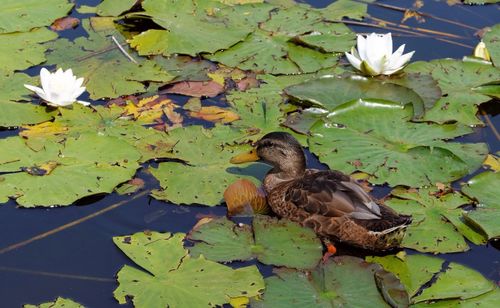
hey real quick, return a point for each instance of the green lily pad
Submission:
(490, 299)
(12, 86)
(21, 50)
(492, 41)
(114, 7)
(346, 8)
(104, 121)
(329, 92)
(458, 80)
(17, 114)
(60, 302)
(197, 26)
(452, 280)
(438, 224)
(20, 16)
(174, 278)
(208, 171)
(483, 187)
(274, 54)
(107, 71)
(423, 84)
(280, 243)
(375, 137)
(272, 48)
(61, 174)
(342, 282)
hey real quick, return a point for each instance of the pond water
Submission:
(42, 257)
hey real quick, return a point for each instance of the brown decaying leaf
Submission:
(150, 110)
(215, 114)
(65, 23)
(196, 88)
(243, 198)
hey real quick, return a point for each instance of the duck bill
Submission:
(245, 157)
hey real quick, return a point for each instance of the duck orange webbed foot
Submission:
(330, 251)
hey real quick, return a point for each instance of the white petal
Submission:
(394, 59)
(353, 60)
(37, 90)
(45, 78)
(83, 103)
(388, 44)
(361, 44)
(79, 82)
(77, 92)
(401, 61)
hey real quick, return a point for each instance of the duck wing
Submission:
(332, 194)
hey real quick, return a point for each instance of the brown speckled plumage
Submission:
(330, 202)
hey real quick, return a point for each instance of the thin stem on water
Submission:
(70, 224)
(57, 275)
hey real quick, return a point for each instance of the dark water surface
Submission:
(80, 262)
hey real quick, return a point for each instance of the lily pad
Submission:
(329, 92)
(114, 7)
(20, 16)
(175, 279)
(12, 86)
(60, 302)
(492, 41)
(73, 174)
(151, 143)
(207, 171)
(342, 282)
(450, 281)
(346, 8)
(107, 71)
(17, 114)
(486, 300)
(483, 187)
(280, 243)
(193, 27)
(375, 137)
(458, 80)
(438, 223)
(260, 108)
(21, 50)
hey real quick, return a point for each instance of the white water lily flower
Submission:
(374, 55)
(59, 89)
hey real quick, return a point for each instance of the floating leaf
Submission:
(107, 71)
(438, 224)
(60, 302)
(196, 26)
(243, 198)
(130, 187)
(174, 278)
(486, 300)
(329, 92)
(148, 110)
(17, 114)
(19, 16)
(114, 7)
(375, 137)
(280, 243)
(274, 54)
(458, 80)
(346, 8)
(483, 187)
(453, 280)
(103, 121)
(65, 23)
(215, 114)
(104, 164)
(342, 282)
(208, 171)
(22, 50)
(196, 88)
(492, 41)
(12, 86)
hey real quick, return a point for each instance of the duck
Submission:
(330, 202)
